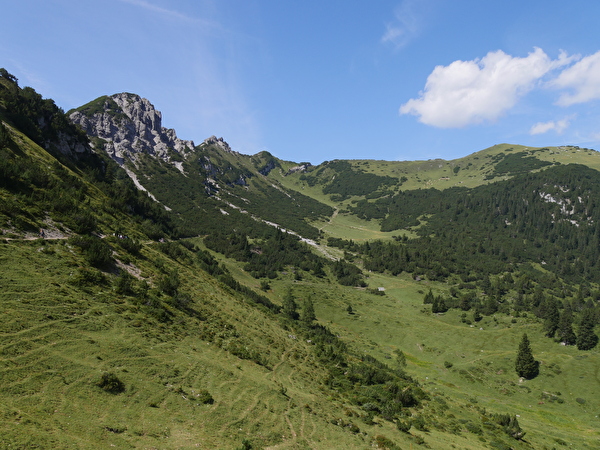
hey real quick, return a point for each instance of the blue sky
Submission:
(319, 80)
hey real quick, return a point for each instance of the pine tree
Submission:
(586, 338)
(438, 305)
(551, 317)
(525, 365)
(308, 312)
(288, 306)
(428, 298)
(565, 328)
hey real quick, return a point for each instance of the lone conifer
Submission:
(308, 312)
(526, 366)
(288, 307)
(586, 338)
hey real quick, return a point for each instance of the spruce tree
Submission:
(438, 305)
(551, 317)
(586, 338)
(565, 328)
(288, 307)
(525, 365)
(308, 312)
(428, 298)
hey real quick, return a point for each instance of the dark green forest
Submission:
(341, 180)
(529, 244)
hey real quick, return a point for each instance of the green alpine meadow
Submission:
(159, 293)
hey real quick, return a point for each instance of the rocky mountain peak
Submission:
(220, 142)
(129, 125)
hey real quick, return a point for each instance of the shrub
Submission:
(403, 426)
(88, 277)
(95, 251)
(419, 423)
(383, 442)
(205, 397)
(472, 428)
(83, 223)
(510, 425)
(109, 382)
(132, 246)
(169, 284)
(246, 445)
(124, 284)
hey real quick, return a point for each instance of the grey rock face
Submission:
(213, 140)
(129, 125)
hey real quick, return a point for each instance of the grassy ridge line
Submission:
(440, 174)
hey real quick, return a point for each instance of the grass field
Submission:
(471, 366)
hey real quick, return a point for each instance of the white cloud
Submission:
(470, 92)
(582, 78)
(558, 126)
(406, 25)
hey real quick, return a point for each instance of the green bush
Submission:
(169, 284)
(403, 425)
(88, 277)
(205, 397)
(109, 382)
(83, 222)
(97, 252)
(383, 442)
(124, 283)
(132, 246)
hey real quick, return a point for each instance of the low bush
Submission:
(109, 382)
(205, 397)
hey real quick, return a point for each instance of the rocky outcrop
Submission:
(301, 168)
(266, 169)
(127, 125)
(219, 142)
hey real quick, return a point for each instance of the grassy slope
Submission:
(482, 374)
(57, 339)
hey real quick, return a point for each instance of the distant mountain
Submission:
(201, 184)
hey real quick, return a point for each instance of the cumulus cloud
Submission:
(543, 127)
(582, 79)
(481, 90)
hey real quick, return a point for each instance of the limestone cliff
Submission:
(127, 125)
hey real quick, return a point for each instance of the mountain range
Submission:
(163, 294)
